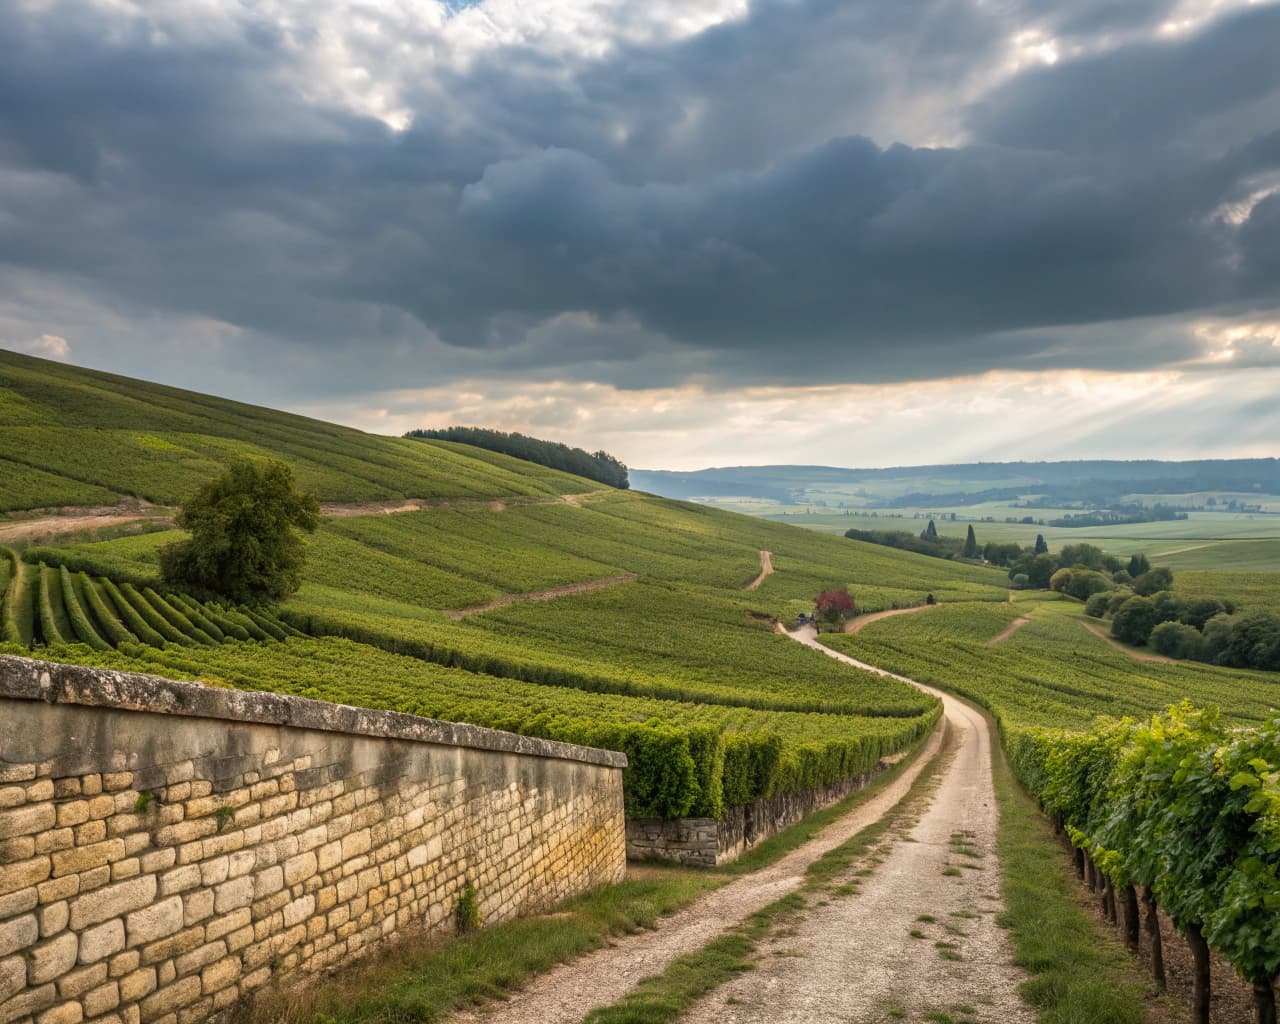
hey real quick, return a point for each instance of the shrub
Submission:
(1176, 640)
(1199, 610)
(1134, 621)
(1153, 581)
(1096, 606)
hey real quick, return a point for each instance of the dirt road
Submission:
(1007, 632)
(766, 570)
(860, 622)
(550, 594)
(565, 994)
(1101, 633)
(921, 935)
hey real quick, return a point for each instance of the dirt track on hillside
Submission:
(41, 523)
(1008, 631)
(860, 622)
(766, 570)
(1102, 634)
(568, 590)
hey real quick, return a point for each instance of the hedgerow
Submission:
(81, 622)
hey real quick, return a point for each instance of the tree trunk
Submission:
(1200, 988)
(1153, 932)
(1130, 917)
(1077, 858)
(1110, 897)
(1104, 884)
(1088, 872)
(1264, 1002)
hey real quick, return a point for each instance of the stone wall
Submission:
(711, 841)
(167, 848)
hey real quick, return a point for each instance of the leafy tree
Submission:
(1134, 621)
(1153, 581)
(244, 534)
(971, 549)
(835, 605)
(930, 532)
(1096, 606)
(1138, 564)
(1199, 610)
(1020, 580)
(1082, 554)
(1176, 640)
(1042, 547)
(1168, 606)
(1117, 599)
(1079, 583)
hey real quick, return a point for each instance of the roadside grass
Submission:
(1079, 973)
(423, 978)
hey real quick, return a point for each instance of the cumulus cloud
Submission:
(47, 346)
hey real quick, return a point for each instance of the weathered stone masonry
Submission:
(167, 848)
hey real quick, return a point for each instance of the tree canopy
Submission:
(245, 542)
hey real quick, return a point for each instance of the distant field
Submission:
(1052, 672)
(1205, 540)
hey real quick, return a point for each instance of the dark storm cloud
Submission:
(702, 208)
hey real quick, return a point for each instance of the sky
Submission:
(691, 232)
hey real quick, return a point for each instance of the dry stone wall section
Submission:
(167, 848)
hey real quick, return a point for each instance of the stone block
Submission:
(102, 999)
(170, 999)
(157, 921)
(74, 984)
(233, 894)
(24, 873)
(52, 959)
(137, 985)
(25, 821)
(112, 901)
(65, 1013)
(18, 934)
(13, 977)
(100, 942)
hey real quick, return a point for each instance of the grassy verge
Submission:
(1079, 971)
(422, 979)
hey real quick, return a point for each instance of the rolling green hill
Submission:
(70, 436)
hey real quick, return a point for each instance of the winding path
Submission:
(766, 570)
(1008, 631)
(860, 957)
(1104, 636)
(853, 958)
(860, 622)
(550, 594)
(566, 993)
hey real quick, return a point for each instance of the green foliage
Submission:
(54, 627)
(1182, 805)
(19, 604)
(466, 912)
(1079, 583)
(1096, 606)
(163, 443)
(244, 543)
(599, 466)
(971, 549)
(1134, 620)
(1176, 640)
(74, 596)
(1152, 581)
(685, 758)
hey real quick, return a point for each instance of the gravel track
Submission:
(565, 994)
(855, 958)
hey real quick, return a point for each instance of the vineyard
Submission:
(52, 606)
(1177, 802)
(163, 443)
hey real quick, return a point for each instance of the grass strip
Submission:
(688, 978)
(423, 979)
(1079, 971)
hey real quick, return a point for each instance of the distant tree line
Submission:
(1121, 515)
(599, 466)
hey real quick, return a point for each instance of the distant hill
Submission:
(970, 483)
(70, 436)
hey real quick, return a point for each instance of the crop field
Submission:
(1052, 672)
(50, 605)
(1246, 589)
(163, 443)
